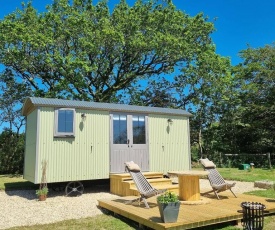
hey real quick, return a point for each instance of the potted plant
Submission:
(42, 193)
(169, 205)
(43, 189)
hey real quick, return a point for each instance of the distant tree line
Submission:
(148, 54)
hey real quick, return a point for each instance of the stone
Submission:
(264, 184)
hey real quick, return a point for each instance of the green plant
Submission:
(42, 191)
(168, 197)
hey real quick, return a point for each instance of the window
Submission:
(139, 129)
(64, 122)
(120, 129)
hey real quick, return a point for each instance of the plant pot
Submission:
(169, 212)
(42, 197)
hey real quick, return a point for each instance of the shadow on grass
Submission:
(15, 182)
(20, 185)
(26, 189)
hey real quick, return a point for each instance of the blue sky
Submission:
(239, 22)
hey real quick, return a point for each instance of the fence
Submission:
(259, 160)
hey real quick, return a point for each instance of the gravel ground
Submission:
(240, 187)
(21, 208)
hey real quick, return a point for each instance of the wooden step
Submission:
(116, 181)
(172, 188)
(127, 176)
(129, 186)
(153, 182)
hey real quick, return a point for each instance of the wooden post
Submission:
(269, 160)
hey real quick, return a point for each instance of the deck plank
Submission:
(190, 216)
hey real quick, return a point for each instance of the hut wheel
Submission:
(74, 188)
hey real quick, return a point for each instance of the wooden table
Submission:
(189, 184)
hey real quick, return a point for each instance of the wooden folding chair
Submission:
(144, 188)
(217, 182)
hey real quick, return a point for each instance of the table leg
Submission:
(189, 187)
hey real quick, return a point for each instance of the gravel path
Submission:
(21, 208)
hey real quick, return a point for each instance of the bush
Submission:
(11, 152)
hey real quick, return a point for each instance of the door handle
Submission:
(128, 141)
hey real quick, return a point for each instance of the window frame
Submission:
(63, 134)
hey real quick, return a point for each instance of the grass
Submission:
(109, 222)
(12, 182)
(100, 222)
(257, 174)
(247, 175)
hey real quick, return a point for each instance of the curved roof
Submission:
(33, 102)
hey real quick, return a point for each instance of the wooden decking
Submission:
(191, 216)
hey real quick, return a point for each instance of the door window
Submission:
(138, 129)
(119, 129)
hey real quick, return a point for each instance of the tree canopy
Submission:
(83, 51)
(12, 96)
(246, 125)
(256, 85)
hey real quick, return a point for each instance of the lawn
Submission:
(109, 222)
(247, 175)
(12, 182)
(257, 174)
(100, 222)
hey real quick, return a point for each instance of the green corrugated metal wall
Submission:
(168, 144)
(84, 157)
(87, 155)
(30, 147)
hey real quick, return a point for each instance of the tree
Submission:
(12, 96)
(256, 83)
(246, 125)
(82, 51)
(203, 87)
(157, 93)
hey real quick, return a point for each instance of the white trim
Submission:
(189, 144)
(63, 134)
(37, 167)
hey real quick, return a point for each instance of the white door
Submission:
(129, 141)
